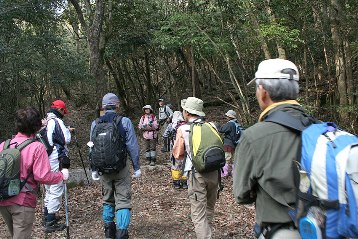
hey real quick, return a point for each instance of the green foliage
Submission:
(183, 30)
(290, 37)
(147, 46)
(36, 60)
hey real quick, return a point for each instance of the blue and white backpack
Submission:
(327, 182)
(239, 130)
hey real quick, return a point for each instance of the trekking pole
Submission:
(79, 152)
(66, 210)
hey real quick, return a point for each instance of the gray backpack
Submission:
(109, 154)
(10, 159)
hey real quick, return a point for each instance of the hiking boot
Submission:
(176, 184)
(152, 163)
(51, 222)
(57, 219)
(122, 234)
(53, 226)
(184, 184)
(110, 230)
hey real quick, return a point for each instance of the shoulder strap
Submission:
(24, 183)
(285, 119)
(118, 122)
(165, 110)
(24, 144)
(117, 119)
(7, 144)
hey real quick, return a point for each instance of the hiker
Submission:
(165, 117)
(19, 211)
(179, 179)
(202, 187)
(116, 183)
(264, 159)
(58, 136)
(231, 135)
(148, 124)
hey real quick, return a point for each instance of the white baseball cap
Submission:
(276, 69)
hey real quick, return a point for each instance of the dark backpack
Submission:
(239, 130)
(109, 154)
(10, 159)
(42, 137)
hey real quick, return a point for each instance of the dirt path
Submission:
(159, 211)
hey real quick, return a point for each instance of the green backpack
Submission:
(206, 146)
(10, 183)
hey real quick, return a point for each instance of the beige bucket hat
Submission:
(194, 106)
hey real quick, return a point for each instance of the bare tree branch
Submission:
(79, 12)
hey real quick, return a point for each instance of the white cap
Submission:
(231, 114)
(148, 107)
(276, 69)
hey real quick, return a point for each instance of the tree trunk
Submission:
(118, 79)
(148, 78)
(323, 26)
(95, 39)
(349, 71)
(281, 51)
(335, 17)
(193, 75)
(256, 25)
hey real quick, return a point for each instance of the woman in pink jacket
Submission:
(19, 211)
(149, 125)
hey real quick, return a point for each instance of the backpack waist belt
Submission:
(314, 201)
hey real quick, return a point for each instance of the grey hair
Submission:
(280, 89)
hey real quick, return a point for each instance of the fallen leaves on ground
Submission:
(159, 211)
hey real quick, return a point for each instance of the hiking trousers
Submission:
(202, 192)
(19, 220)
(150, 148)
(116, 188)
(54, 192)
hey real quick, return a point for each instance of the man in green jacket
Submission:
(265, 158)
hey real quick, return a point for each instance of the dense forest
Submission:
(141, 50)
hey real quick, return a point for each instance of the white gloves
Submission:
(95, 175)
(136, 174)
(65, 174)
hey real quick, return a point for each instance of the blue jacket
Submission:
(130, 136)
(229, 131)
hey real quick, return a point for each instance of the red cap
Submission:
(59, 104)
